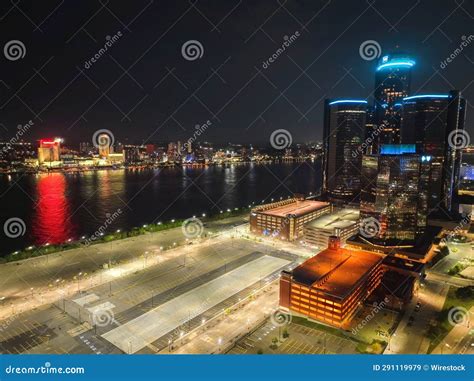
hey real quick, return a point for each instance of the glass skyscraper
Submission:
(392, 84)
(344, 133)
(428, 121)
(390, 195)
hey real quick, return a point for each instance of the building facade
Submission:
(431, 122)
(391, 209)
(342, 223)
(344, 133)
(330, 286)
(392, 84)
(49, 150)
(285, 219)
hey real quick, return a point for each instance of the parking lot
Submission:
(301, 340)
(68, 325)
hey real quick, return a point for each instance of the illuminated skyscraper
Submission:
(392, 84)
(391, 195)
(435, 124)
(49, 150)
(344, 133)
(104, 145)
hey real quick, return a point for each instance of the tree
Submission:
(274, 343)
(465, 292)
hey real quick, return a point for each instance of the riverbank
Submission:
(37, 251)
(21, 170)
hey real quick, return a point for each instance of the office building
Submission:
(330, 286)
(433, 122)
(285, 219)
(392, 84)
(344, 133)
(342, 223)
(390, 208)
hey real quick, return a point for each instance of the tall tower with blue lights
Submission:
(344, 133)
(392, 84)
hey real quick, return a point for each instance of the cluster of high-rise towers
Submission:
(398, 159)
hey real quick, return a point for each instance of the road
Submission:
(410, 336)
(457, 252)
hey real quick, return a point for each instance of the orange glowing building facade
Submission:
(285, 219)
(331, 285)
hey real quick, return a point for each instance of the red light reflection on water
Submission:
(51, 223)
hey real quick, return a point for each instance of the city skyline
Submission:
(67, 92)
(244, 177)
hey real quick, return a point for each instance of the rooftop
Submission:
(343, 268)
(298, 208)
(340, 219)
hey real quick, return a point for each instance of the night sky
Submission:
(144, 90)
